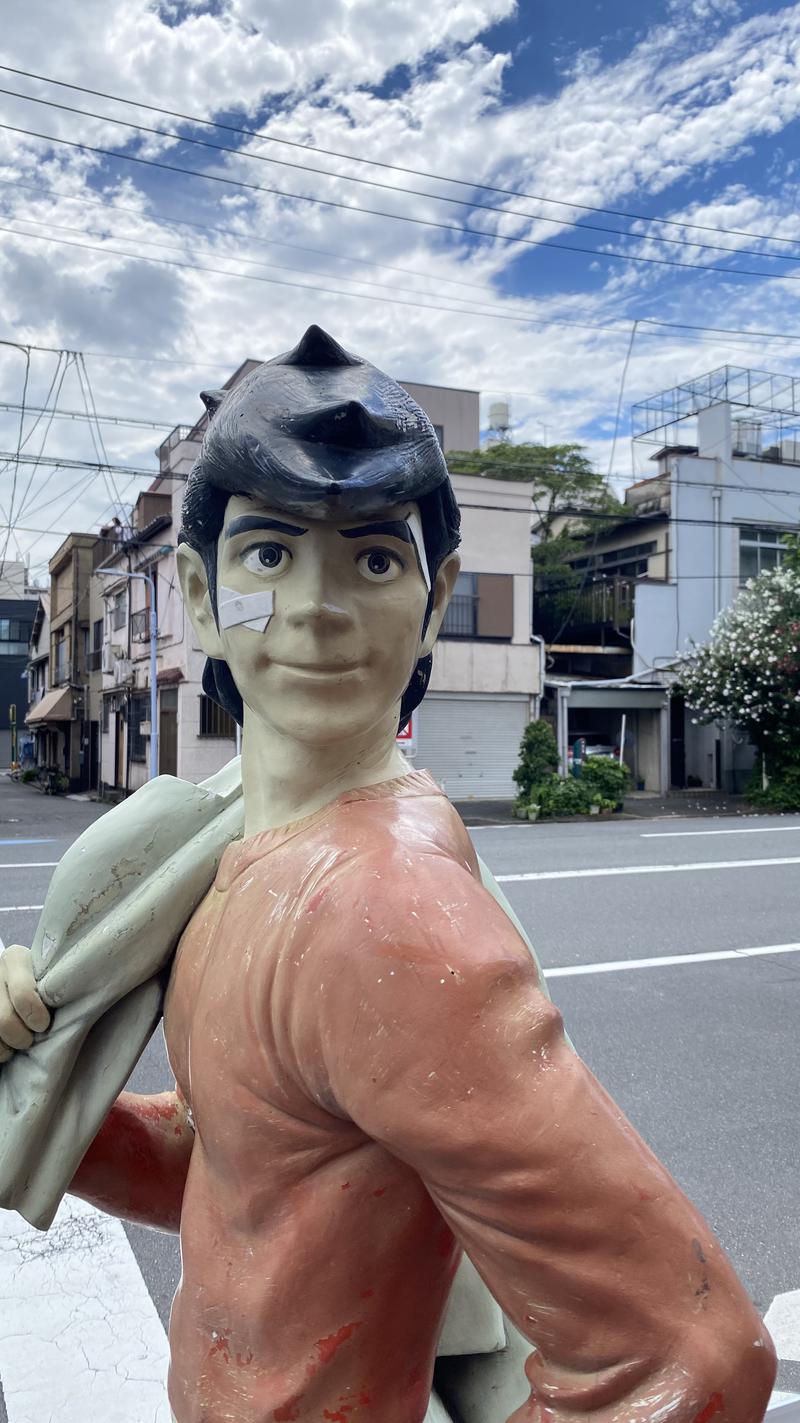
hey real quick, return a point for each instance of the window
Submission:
(119, 610)
(632, 561)
(140, 711)
(214, 721)
(14, 636)
(106, 713)
(760, 549)
(97, 635)
(60, 659)
(482, 606)
(460, 619)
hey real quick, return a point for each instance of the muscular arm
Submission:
(440, 1044)
(137, 1164)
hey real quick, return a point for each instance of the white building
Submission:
(725, 494)
(486, 670)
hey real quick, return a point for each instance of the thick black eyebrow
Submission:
(248, 522)
(394, 528)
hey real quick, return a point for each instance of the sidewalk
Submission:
(641, 805)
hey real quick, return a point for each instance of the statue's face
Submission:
(345, 628)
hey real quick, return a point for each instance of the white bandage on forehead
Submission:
(415, 527)
(253, 610)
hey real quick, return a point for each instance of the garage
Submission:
(470, 743)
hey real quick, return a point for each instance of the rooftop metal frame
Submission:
(762, 396)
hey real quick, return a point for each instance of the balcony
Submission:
(94, 660)
(181, 432)
(599, 614)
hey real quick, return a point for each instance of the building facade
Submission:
(17, 611)
(65, 737)
(725, 494)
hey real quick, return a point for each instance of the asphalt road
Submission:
(702, 1055)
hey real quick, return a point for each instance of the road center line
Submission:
(50, 840)
(18, 908)
(648, 869)
(31, 865)
(747, 830)
(668, 960)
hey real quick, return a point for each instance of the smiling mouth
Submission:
(321, 669)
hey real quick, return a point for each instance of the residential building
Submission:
(66, 738)
(715, 514)
(17, 609)
(38, 681)
(486, 670)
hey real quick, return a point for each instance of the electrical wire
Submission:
(559, 222)
(19, 448)
(473, 185)
(159, 217)
(462, 231)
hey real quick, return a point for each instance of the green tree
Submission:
(538, 757)
(563, 480)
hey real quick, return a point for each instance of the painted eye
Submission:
(267, 558)
(379, 565)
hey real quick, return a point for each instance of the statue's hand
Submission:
(22, 1012)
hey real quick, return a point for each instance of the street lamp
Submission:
(147, 578)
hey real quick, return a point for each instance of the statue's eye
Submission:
(267, 558)
(380, 565)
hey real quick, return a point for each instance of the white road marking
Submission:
(80, 1336)
(669, 960)
(649, 869)
(31, 865)
(18, 908)
(783, 1322)
(745, 830)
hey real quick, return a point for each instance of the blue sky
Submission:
(685, 110)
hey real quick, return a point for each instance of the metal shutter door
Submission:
(470, 745)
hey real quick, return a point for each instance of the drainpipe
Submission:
(537, 699)
(716, 496)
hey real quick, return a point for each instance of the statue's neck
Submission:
(284, 780)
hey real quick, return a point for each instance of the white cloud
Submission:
(675, 107)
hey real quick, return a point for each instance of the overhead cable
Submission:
(391, 167)
(457, 228)
(470, 203)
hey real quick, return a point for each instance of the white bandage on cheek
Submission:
(253, 610)
(415, 526)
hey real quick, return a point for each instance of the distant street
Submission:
(702, 1054)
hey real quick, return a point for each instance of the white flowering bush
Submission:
(748, 673)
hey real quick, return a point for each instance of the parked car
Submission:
(595, 746)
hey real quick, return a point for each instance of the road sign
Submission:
(407, 738)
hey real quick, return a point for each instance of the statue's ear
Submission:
(212, 399)
(197, 599)
(446, 575)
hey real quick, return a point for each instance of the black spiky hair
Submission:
(317, 431)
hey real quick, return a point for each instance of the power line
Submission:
(391, 167)
(155, 216)
(81, 415)
(395, 188)
(396, 216)
(493, 310)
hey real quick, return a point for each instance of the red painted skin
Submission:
(377, 1080)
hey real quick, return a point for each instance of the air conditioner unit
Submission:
(123, 669)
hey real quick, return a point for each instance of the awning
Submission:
(54, 706)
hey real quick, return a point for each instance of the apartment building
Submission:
(17, 609)
(486, 670)
(65, 738)
(725, 492)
